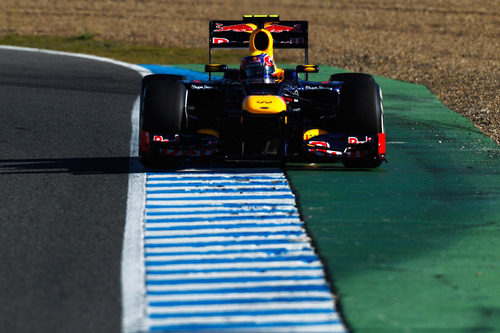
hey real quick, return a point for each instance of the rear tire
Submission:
(361, 111)
(162, 112)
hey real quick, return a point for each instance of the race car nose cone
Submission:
(264, 104)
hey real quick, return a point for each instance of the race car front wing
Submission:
(324, 148)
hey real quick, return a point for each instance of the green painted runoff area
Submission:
(415, 244)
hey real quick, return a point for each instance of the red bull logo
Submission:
(244, 27)
(355, 141)
(159, 138)
(260, 59)
(235, 27)
(277, 28)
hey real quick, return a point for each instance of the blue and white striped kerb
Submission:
(227, 251)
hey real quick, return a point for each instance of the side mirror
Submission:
(307, 69)
(215, 68)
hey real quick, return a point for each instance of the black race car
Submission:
(258, 111)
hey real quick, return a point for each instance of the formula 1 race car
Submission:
(259, 111)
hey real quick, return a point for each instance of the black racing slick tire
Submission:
(361, 110)
(163, 101)
(161, 77)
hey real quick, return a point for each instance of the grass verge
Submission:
(132, 53)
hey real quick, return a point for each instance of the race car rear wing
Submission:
(236, 34)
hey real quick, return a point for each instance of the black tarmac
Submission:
(64, 162)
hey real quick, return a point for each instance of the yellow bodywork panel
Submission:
(264, 104)
(313, 132)
(209, 131)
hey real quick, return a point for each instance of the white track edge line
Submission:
(132, 261)
(141, 70)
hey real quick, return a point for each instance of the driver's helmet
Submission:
(258, 68)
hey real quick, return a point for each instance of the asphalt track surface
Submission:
(64, 165)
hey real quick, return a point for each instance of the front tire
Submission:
(361, 111)
(163, 103)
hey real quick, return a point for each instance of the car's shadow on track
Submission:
(111, 165)
(127, 165)
(78, 165)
